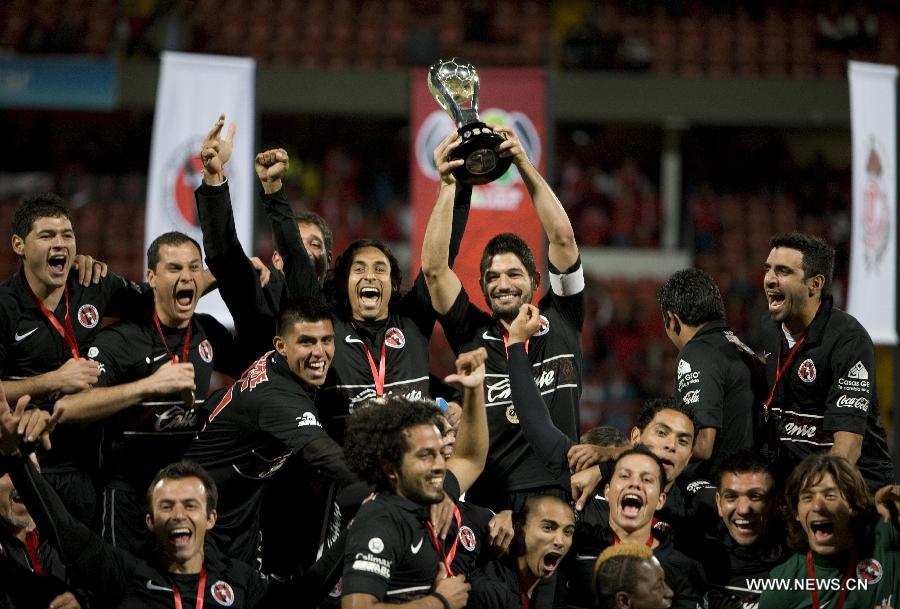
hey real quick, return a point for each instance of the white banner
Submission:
(193, 91)
(872, 295)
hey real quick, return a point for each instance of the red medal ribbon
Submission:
(524, 600)
(68, 333)
(201, 587)
(379, 372)
(506, 344)
(447, 559)
(781, 370)
(32, 543)
(617, 541)
(844, 590)
(187, 341)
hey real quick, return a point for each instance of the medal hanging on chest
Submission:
(187, 395)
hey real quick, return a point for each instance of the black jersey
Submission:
(733, 570)
(30, 345)
(390, 552)
(146, 436)
(466, 540)
(721, 379)
(593, 534)
(253, 308)
(252, 428)
(556, 358)
(496, 586)
(829, 386)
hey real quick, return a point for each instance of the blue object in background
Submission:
(73, 84)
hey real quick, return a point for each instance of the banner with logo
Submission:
(872, 295)
(193, 91)
(515, 97)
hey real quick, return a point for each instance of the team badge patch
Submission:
(394, 338)
(376, 545)
(88, 316)
(206, 351)
(807, 371)
(511, 415)
(467, 538)
(870, 570)
(543, 326)
(222, 593)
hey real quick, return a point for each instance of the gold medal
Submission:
(511, 415)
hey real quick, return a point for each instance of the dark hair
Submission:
(311, 217)
(520, 518)
(849, 481)
(376, 435)
(616, 571)
(345, 261)
(744, 462)
(818, 256)
(186, 469)
(29, 211)
(508, 243)
(693, 296)
(172, 238)
(652, 406)
(604, 435)
(640, 449)
(302, 309)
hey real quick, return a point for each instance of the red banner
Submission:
(515, 97)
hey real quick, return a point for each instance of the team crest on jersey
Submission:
(869, 570)
(467, 538)
(511, 415)
(223, 593)
(88, 316)
(206, 351)
(543, 326)
(394, 338)
(807, 371)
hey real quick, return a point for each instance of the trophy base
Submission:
(479, 151)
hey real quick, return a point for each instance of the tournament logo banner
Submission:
(514, 97)
(193, 91)
(873, 246)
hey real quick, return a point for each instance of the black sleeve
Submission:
(851, 394)
(238, 281)
(299, 272)
(113, 354)
(699, 384)
(550, 444)
(125, 298)
(688, 585)
(461, 323)
(98, 567)
(490, 593)
(308, 590)
(226, 352)
(304, 435)
(374, 546)
(462, 201)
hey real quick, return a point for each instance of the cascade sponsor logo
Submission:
(860, 403)
(307, 419)
(691, 397)
(807, 371)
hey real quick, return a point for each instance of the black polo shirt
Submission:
(390, 552)
(829, 386)
(556, 357)
(724, 383)
(144, 437)
(496, 586)
(30, 345)
(252, 428)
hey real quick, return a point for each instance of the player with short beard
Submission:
(509, 279)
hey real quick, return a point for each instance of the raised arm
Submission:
(563, 251)
(550, 444)
(299, 270)
(443, 284)
(472, 439)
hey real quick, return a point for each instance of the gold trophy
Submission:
(454, 84)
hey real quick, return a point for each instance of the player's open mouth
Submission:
(57, 264)
(505, 297)
(369, 296)
(180, 536)
(184, 298)
(551, 561)
(668, 465)
(822, 530)
(436, 482)
(631, 504)
(317, 368)
(776, 301)
(744, 526)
